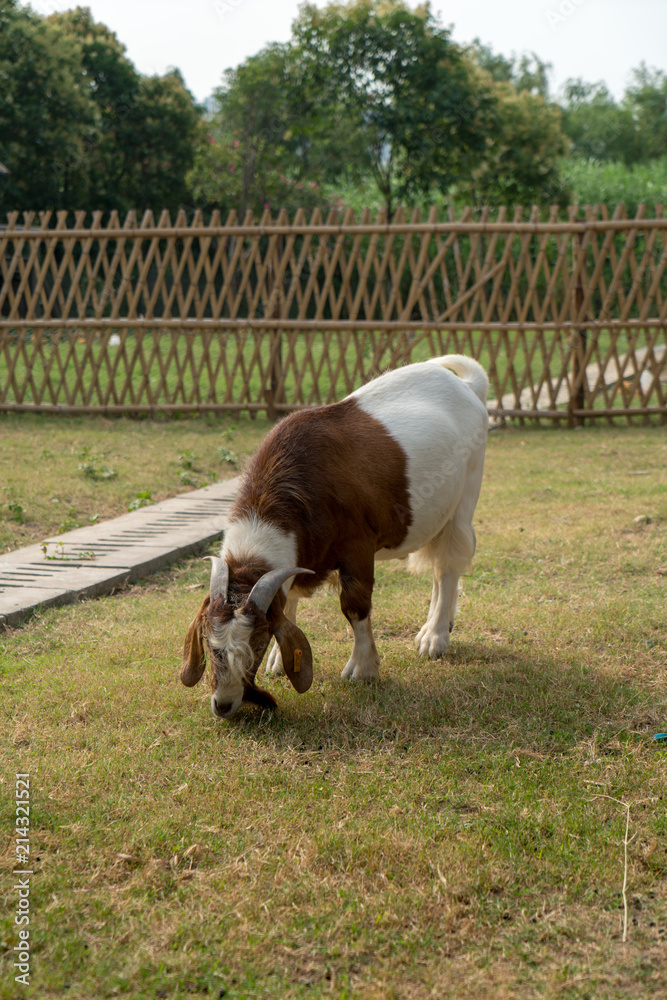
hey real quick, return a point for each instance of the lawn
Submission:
(456, 830)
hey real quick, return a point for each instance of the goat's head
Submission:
(236, 631)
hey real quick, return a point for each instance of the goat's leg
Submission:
(434, 601)
(274, 663)
(451, 554)
(356, 580)
(433, 637)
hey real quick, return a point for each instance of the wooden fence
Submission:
(567, 314)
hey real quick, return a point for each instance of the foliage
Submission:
(92, 469)
(631, 132)
(255, 154)
(647, 101)
(599, 128)
(527, 74)
(143, 499)
(522, 164)
(110, 138)
(400, 86)
(370, 103)
(341, 110)
(615, 184)
(46, 115)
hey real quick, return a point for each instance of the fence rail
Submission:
(567, 316)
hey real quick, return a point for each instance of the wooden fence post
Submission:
(275, 393)
(578, 338)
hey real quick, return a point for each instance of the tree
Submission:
(148, 127)
(251, 159)
(264, 145)
(79, 127)
(646, 101)
(46, 116)
(597, 126)
(393, 80)
(521, 161)
(529, 74)
(521, 166)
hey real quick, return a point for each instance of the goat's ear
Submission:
(296, 654)
(194, 657)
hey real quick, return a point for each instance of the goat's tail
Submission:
(468, 370)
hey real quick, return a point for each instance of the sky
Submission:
(594, 39)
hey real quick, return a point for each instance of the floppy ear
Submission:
(194, 657)
(296, 654)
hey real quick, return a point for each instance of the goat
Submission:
(393, 471)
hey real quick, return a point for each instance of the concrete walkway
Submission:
(612, 374)
(104, 557)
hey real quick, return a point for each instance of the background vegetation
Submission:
(337, 116)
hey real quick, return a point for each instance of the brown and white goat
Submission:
(390, 472)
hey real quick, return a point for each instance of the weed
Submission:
(69, 524)
(225, 455)
(92, 468)
(59, 554)
(16, 512)
(187, 479)
(141, 500)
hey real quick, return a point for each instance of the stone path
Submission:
(101, 558)
(612, 375)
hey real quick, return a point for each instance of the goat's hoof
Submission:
(360, 672)
(432, 645)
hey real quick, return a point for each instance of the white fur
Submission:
(364, 662)
(441, 425)
(251, 537)
(440, 421)
(232, 640)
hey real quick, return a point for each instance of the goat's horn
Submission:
(219, 578)
(268, 585)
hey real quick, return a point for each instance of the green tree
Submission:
(148, 127)
(264, 146)
(112, 84)
(160, 136)
(521, 165)
(395, 83)
(646, 101)
(79, 127)
(599, 128)
(255, 153)
(46, 115)
(527, 73)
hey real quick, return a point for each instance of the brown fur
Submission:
(337, 473)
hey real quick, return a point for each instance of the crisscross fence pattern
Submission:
(567, 314)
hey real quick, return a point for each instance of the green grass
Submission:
(448, 832)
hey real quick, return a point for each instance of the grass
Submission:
(449, 832)
(54, 473)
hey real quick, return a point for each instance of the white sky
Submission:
(593, 39)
